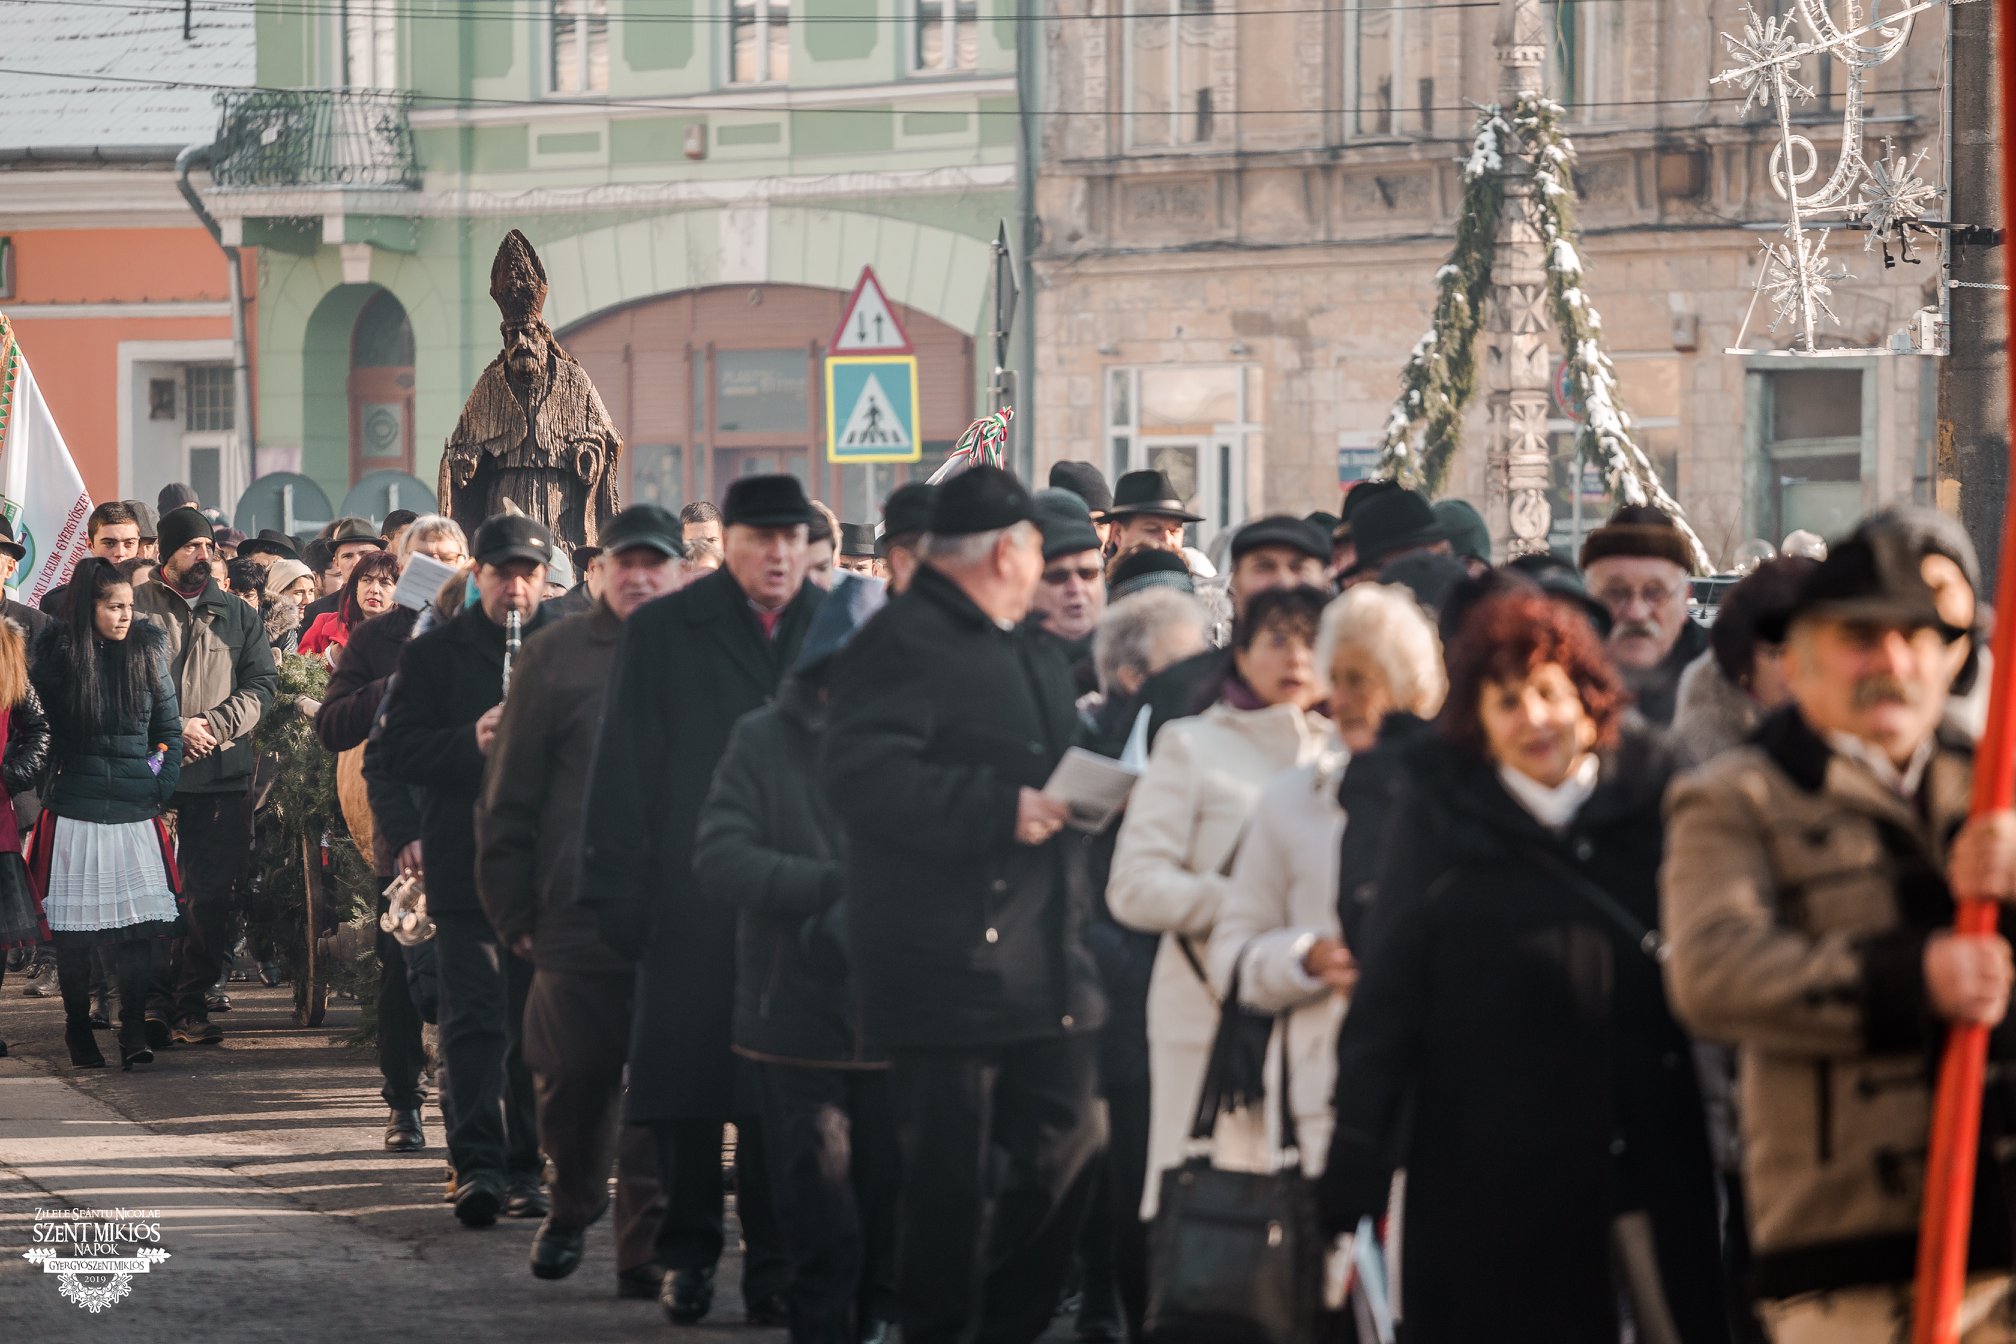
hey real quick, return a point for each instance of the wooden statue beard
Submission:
(528, 370)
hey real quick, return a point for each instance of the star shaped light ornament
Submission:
(1893, 200)
(1761, 54)
(1799, 281)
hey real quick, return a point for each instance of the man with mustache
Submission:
(1808, 897)
(1637, 566)
(225, 677)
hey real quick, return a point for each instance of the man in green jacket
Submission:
(225, 674)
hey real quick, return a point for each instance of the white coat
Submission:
(1186, 819)
(1282, 898)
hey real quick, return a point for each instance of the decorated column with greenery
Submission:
(1514, 272)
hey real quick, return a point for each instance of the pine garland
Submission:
(1440, 377)
(302, 802)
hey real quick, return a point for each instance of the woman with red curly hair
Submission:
(1510, 1046)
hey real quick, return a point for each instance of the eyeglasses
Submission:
(1057, 578)
(1619, 595)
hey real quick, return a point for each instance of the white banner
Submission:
(41, 490)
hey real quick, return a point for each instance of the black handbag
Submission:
(1235, 1257)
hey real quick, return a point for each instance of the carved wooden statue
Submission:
(533, 431)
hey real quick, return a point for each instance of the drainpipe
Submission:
(241, 363)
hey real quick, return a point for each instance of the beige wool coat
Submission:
(1188, 817)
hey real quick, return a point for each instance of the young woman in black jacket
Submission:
(24, 752)
(100, 853)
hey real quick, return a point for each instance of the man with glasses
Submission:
(1071, 597)
(1637, 565)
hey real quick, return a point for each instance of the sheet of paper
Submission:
(1092, 786)
(420, 582)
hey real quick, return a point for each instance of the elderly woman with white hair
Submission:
(1278, 922)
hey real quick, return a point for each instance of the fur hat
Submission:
(1639, 530)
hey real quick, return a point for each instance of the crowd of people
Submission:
(1587, 958)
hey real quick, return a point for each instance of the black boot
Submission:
(130, 964)
(73, 977)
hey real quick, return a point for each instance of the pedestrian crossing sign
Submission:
(871, 409)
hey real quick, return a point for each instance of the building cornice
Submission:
(85, 198)
(164, 308)
(309, 202)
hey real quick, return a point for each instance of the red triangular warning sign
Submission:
(868, 325)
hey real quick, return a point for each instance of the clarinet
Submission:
(512, 640)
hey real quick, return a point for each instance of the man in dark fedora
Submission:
(688, 666)
(1391, 525)
(966, 912)
(271, 544)
(1146, 512)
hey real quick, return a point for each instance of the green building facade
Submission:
(703, 181)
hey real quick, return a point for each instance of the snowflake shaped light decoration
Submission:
(1799, 280)
(1893, 201)
(1890, 196)
(1764, 53)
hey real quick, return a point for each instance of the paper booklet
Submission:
(1094, 787)
(420, 582)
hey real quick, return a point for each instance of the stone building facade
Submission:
(1242, 205)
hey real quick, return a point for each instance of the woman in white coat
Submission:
(1186, 821)
(1279, 922)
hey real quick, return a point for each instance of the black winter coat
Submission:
(447, 679)
(959, 936)
(768, 845)
(357, 685)
(1125, 957)
(27, 755)
(1184, 688)
(1510, 1045)
(688, 666)
(104, 777)
(1369, 790)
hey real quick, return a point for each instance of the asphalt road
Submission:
(283, 1216)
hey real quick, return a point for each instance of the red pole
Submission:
(1956, 1109)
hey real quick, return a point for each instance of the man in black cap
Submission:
(225, 678)
(150, 539)
(1808, 900)
(857, 548)
(439, 727)
(966, 911)
(905, 515)
(687, 668)
(1637, 565)
(175, 495)
(1343, 549)
(528, 835)
(1147, 568)
(1390, 525)
(1146, 512)
(12, 553)
(1071, 597)
(1089, 484)
(1273, 552)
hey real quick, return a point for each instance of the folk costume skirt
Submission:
(105, 882)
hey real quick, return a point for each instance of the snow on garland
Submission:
(1441, 372)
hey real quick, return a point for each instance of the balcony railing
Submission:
(314, 138)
